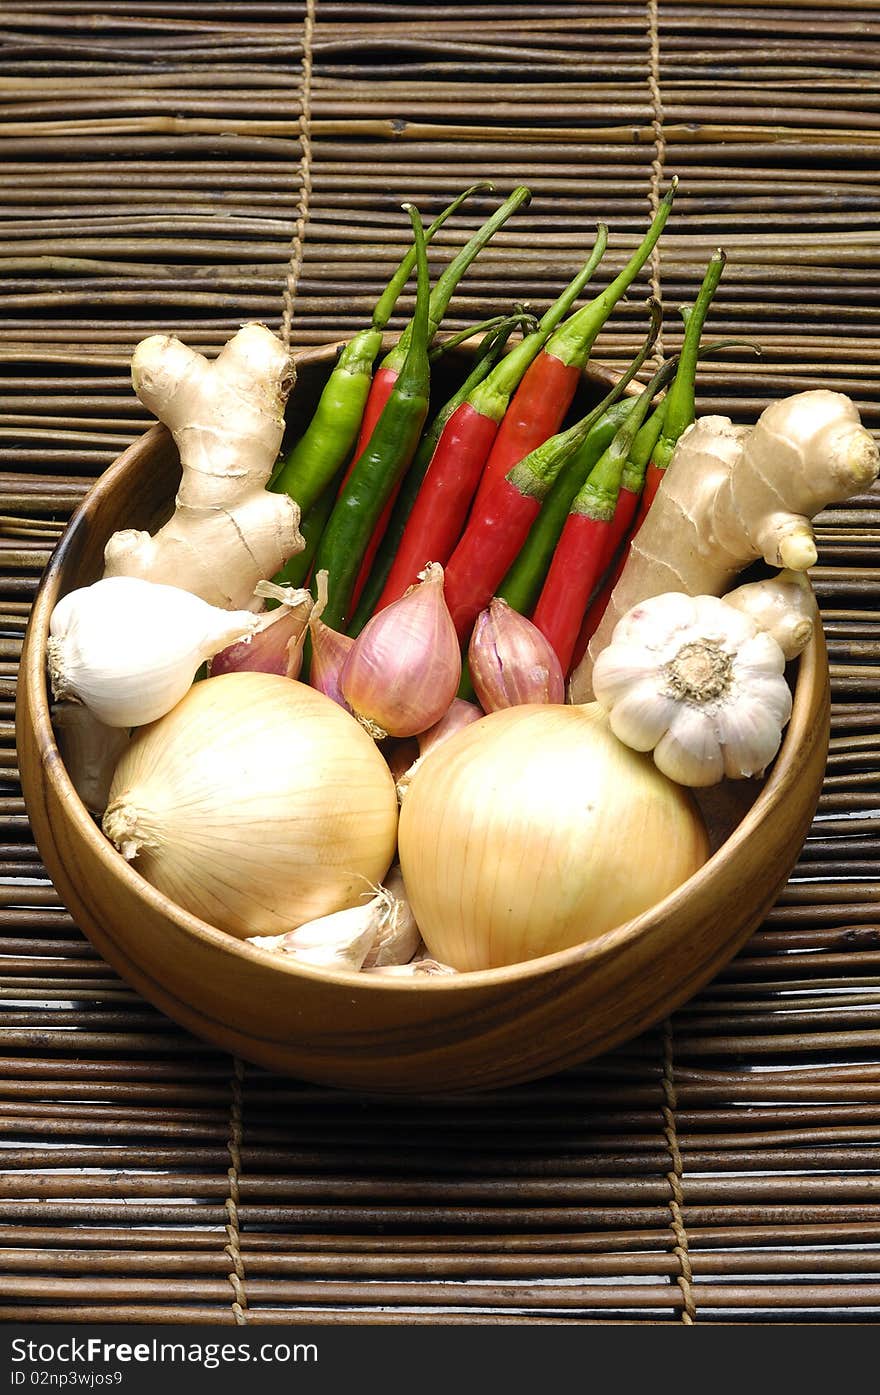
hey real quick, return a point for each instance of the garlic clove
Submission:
(341, 940)
(689, 752)
(750, 735)
(90, 751)
(656, 620)
(760, 654)
(773, 694)
(417, 968)
(620, 666)
(715, 622)
(641, 715)
(511, 662)
(404, 668)
(397, 937)
(129, 649)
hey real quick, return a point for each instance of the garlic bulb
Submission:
(129, 649)
(697, 682)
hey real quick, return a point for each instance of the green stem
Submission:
(492, 398)
(484, 328)
(328, 439)
(391, 294)
(449, 279)
(681, 398)
(536, 474)
(574, 340)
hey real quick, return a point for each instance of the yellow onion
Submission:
(535, 829)
(256, 804)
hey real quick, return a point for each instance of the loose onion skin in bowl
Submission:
(257, 804)
(535, 829)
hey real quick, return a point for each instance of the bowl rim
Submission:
(582, 956)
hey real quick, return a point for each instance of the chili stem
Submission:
(389, 452)
(548, 387)
(586, 544)
(325, 445)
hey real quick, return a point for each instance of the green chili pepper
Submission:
(322, 449)
(388, 453)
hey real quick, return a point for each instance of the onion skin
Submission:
(535, 829)
(256, 804)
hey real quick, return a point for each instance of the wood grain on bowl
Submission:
(476, 1030)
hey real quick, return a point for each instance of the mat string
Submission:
(658, 162)
(294, 265)
(233, 1234)
(676, 1201)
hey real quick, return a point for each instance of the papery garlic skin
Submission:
(698, 683)
(129, 649)
(397, 935)
(416, 968)
(376, 934)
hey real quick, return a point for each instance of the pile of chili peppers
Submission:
(490, 487)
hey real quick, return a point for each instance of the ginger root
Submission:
(227, 419)
(731, 495)
(784, 605)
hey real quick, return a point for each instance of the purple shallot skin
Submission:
(511, 662)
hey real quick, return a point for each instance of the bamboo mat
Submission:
(174, 165)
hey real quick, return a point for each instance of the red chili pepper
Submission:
(546, 392)
(441, 507)
(499, 525)
(588, 540)
(596, 609)
(386, 375)
(442, 503)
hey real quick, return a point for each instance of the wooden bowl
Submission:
(484, 1029)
